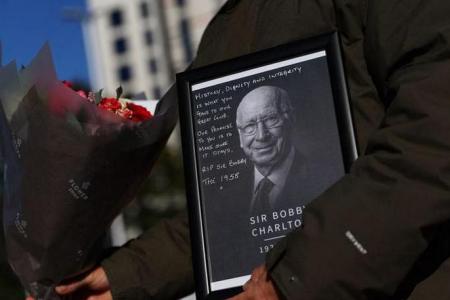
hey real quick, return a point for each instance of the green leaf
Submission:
(119, 92)
(98, 96)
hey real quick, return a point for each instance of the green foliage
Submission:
(119, 92)
(98, 96)
(162, 195)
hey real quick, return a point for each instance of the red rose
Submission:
(110, 104)
(125, 113)
(140, 113)
(131, 111)
(82, 93)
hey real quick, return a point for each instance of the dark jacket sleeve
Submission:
(157, 265)
(369, 232)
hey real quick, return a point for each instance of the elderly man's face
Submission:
(262, 130)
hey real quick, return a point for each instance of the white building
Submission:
(140, 44)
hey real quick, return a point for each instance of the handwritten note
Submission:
(216, 136)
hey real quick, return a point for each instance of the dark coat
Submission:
(382, 231)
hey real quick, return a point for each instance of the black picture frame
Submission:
(217, 170)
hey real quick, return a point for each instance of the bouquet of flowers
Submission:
(72, 161)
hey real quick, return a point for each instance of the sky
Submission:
(25, 25)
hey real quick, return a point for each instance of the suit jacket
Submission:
(381, 232)
(236, 233)
(304, 182)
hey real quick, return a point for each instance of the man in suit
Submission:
(265, 122)
(269, 199)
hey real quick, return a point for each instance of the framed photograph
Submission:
(263, 135)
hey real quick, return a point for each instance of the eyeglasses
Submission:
(269, 122)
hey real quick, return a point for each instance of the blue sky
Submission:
(25, 25)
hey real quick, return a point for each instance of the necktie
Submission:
(261, 204)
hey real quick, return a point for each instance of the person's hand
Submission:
(259, 287)
(92, 286)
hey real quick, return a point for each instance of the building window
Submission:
(157, 92)
(149, 37)
(181, 2)
(125, 73)
(116, 17)
(186, 37)
(153, 66)
(144, 9)
(120, 45)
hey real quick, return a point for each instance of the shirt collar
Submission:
(278, 175)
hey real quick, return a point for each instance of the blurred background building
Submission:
(141, 44)
(138, 44)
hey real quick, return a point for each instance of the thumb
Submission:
(95, 280)
(71, 287)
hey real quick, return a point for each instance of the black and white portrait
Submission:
(267, 145)
(266, 125)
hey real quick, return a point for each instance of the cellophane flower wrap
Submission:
(69, 169)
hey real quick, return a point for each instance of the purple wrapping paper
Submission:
(69, 169)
